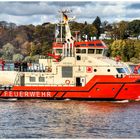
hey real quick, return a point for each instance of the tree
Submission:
(97, 24)
(117, 47)
(122, 29)
(17, 57)
(28, 59)
(134, 28)
(35, 49)
(25, 48)
(129, 50)
(8, 51)
(114, 31)
(90, 31)
(35, 58)
(137, 48)
(85, 23)
(45, 48)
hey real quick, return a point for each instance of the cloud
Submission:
(39, 12)
(134, 6)
(26, 8)
(69, 3)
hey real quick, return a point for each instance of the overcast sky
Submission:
(40, 12)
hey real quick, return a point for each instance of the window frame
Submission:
(99, 51)
(31, 79)
(93, 51)
(56, 50)
(41, 80)
(118, 70)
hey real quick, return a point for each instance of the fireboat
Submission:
(76, 69)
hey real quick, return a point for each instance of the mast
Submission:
(61, 28)
(69, 39)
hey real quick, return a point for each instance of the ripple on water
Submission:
(69, 119)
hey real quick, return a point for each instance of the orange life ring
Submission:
(67, 82)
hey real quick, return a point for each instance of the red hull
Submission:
(99, 87)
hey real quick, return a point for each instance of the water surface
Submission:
(69, 119)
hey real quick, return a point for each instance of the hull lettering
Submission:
(27, 94)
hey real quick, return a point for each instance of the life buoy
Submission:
(67, 82)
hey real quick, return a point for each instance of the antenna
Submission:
(76, 34)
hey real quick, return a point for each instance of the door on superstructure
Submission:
(83, 81)
(22, 80)
(80, 81)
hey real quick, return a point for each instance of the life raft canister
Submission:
(67, 82)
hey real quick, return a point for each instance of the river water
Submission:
(69, 119)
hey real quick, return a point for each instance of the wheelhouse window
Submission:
(41, 79)
(78, 50)
(67, 72)
(99, 44)
(83, 45)
(99, 51)
(77, 45)
(91, 51)
(83, 51)
(127, 70)
(120, 70)
(32, 79)
(59, 51)
(91, 45)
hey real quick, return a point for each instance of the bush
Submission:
(18, 57)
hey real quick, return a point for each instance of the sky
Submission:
(38, 12)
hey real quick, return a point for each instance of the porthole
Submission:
(108, 70)
(95, 70)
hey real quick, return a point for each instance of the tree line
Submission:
(29, 42)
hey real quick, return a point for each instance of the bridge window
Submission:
(59, 51)
(83, 51)
(67, 72)
(41, 79)
(127, 70)
(77, 45)
(99, 44)
(78, 50)
(99, 51)
(82, 45)
(32, 79)
(120, 70)
(91, 51)
(91, 45)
